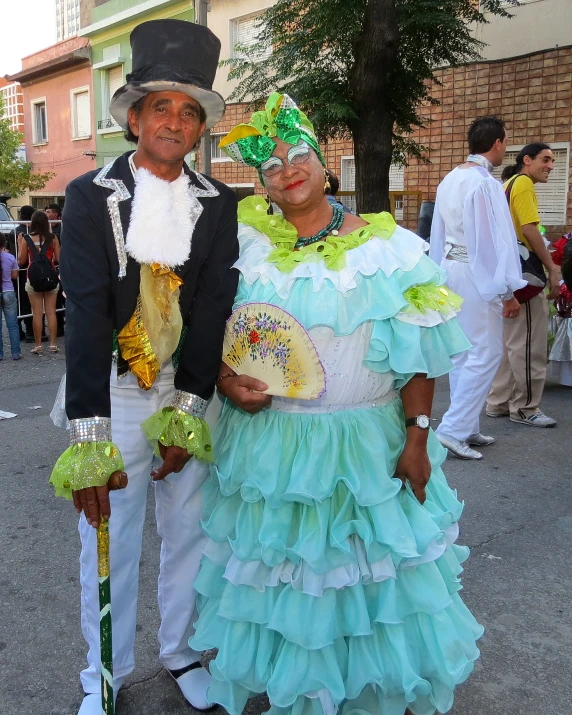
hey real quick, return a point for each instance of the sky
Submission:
(27, 26)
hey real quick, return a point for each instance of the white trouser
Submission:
(178, 510)
(471, 379)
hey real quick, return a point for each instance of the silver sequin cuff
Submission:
(509, 295)
(191, 404)
(90, 429)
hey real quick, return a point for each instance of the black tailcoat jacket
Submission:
(99, 302)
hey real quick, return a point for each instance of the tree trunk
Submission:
(375, 54)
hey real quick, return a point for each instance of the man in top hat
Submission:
(147, 251)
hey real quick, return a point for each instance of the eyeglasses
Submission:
(297, 155)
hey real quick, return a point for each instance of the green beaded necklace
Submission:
(333, 228)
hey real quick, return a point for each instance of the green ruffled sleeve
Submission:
(85, 464)
(430, 296)
(174, 427)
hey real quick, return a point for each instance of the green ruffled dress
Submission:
(324, 582)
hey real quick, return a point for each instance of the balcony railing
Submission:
(107, 124)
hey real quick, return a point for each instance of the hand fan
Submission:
(267, 343)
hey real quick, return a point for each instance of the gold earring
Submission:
(327, 185)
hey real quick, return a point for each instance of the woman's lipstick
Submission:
(293, 185)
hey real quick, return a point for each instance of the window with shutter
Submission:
(245, 32)
(40, 122)
(217, 154)
(552, 196)
(112, 80)
(348, 183)
(81, 114)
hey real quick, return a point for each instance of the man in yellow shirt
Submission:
(519, 383)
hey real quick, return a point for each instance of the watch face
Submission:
(423, 421)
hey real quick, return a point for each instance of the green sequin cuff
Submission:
(174, 428)
(85, 464)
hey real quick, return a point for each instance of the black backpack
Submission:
(42, 275)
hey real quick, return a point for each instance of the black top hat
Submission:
(171, 55)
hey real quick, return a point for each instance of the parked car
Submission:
(7, 223)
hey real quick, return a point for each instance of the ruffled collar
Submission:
(253, 211)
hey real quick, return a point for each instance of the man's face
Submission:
(499, 148)
(168, 126)
(540, 167)
(52, 215)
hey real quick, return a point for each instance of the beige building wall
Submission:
(220, 21)
(536, 25)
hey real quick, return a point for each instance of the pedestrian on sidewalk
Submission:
(473, 239)
(161, 307)
(519, 383)
(25, 213)
(8, 301)
(54, 214)
(42, 301)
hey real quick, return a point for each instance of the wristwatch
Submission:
(421, 421)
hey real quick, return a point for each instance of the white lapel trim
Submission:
(120, 193)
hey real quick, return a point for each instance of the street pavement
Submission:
(517, 520)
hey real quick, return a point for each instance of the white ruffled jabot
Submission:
(163, 216)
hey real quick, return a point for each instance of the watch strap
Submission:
(414, 422)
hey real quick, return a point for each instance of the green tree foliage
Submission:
(16, 175)
(361, 69)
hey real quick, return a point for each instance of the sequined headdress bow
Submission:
(252, 144)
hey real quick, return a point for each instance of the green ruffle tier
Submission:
(310, 502)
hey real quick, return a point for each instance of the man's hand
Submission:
(246, 393)
(174, 460)
(554, 278)
(414, 466)
(510, 308)
(94, 501)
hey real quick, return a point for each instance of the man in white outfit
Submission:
(473, 239)
(147, 253)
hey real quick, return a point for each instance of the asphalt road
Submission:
(517, 520)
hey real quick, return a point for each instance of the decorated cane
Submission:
(107, 706)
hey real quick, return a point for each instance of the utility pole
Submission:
(202, 8)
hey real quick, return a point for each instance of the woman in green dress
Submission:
(330, 578)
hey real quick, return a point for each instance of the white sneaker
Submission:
(480, 440)
(496, 413)
(538, 419)
(457, 448)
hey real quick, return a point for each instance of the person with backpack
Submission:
(517, 389)
(41, 250)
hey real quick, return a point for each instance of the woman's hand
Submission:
(414, 466)
(245, 392)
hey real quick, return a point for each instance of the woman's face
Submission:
(296, 185)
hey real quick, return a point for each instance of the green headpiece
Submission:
(252, 143)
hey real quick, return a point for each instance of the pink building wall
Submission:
(54, 52)
(62, 154)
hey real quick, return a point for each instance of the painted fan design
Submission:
(267, 343)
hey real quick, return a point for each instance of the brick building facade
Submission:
(532, 93)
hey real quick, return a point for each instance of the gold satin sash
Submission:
(152, 333)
